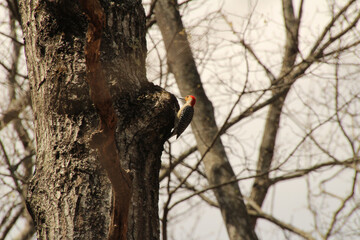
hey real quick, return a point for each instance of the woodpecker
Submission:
(184, 116)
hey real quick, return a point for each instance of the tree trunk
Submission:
(217, 167)
(282, 84)
(70, 194)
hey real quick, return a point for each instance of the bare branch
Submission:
(337, 110)
(193, 189)
(13, 39)
(177, 161)
(260, 214)
(301, 172)
(11, 171)
(328, 27)
(342, 206)
(14, 109)
(11, 223)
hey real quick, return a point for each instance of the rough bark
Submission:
(266, 153)
(217, 167)
(70, 194)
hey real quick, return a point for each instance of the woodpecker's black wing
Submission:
(184, 120)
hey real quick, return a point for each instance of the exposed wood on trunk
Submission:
(104, 140)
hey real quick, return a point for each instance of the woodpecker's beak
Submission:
(182, 99)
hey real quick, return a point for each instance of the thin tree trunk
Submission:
(217, 167)
(70, 194)
(262, 183)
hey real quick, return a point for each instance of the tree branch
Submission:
(14, 109)
(301, 172)
(12, 222)
(260, 214)
(342, 206)
(179, 160)
(329, 26)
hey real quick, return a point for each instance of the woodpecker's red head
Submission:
(190, 99)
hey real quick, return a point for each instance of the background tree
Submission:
(243, 81)
(277, 117)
